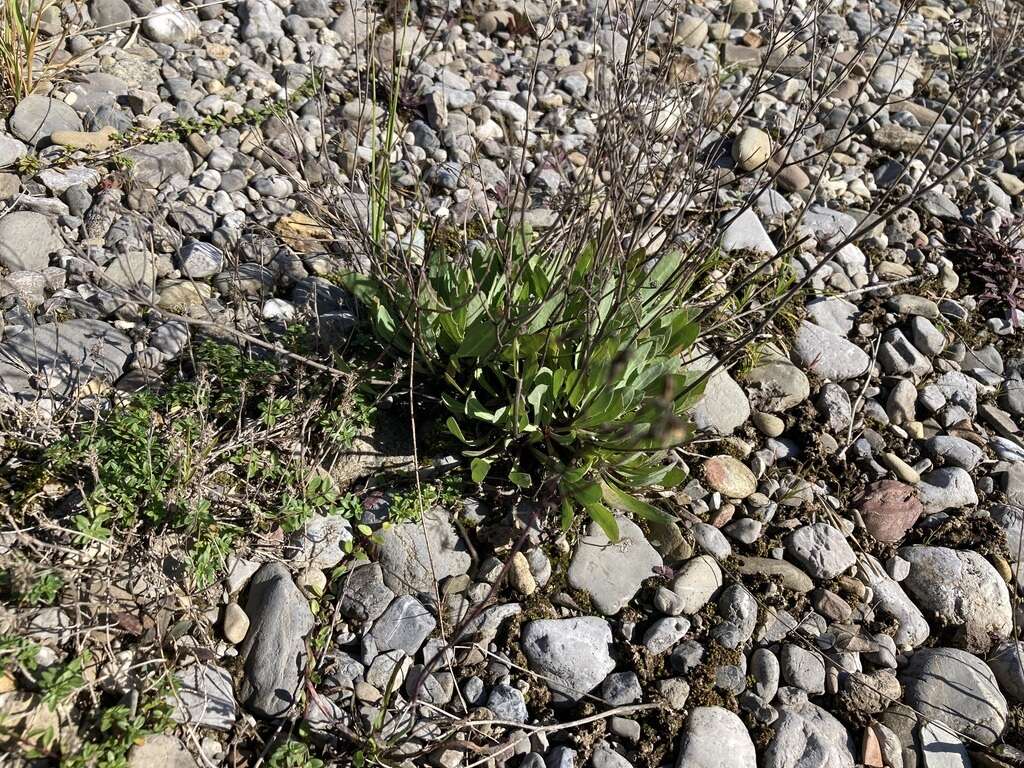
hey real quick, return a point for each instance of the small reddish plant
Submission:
(993, 264)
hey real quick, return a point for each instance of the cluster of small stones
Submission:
(862, 616)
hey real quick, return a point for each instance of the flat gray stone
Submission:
(130, 271)
(36, 118)
(169, 24)
(1010, 518)
(745, 232)
(611, 572)
(899, 357)
(724, 405)
(413, 562)
(803, 668)
(507, 703)
(205, 697)
(820, 351)
(67, 354)
(954, 451)
(926, 337)
(571, 654)
(621, 688)
(387, 672)
(779, 385)
(160, 749)
(806, 736)
(27, 240)
(961, 588)
(665, 633)
(792, 577)
(60, 180)
(696, 583)
(1007, 664)
(404, 625)
(891, 600)
(105, 13)
(321, 541)
(833, 313)
(737, 611)
(11, 150)
(821, 549)
(154, 164)
(940, 748)
(274, 651)
(957, 689)
(261, 19)
(947, 488)
(764, 666)
(365, 596)
(198, 259)
(828, 224)
(714, 737)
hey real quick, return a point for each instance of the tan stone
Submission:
(520, 576)
(94, 141)
(182, 293)
(235, 622)
(302, 232)
(752, 149)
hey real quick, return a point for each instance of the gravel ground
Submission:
(842, 585)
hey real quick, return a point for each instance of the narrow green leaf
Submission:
(450, 325)
(567, 513)
(587, 494)
(383, 322)
(603, 516)
(627, 503)
(574, 476)
(684, 336)
(674, 477)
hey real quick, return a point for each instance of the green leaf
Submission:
(536, 398)
(587, 494)
(479, 469)
(476, 410)
(567, 513)
(676, 476)
(521, 479)
(627, 503)
(557, 379)
(455, 429)
(575, 475)
(449, 322)
(604, 306)
(648, 474)
(584, 260)
(603, 516)
(543, 315)
(684, 335)
(481, 338)
(664, 269)
(364, 288)
(383, 322)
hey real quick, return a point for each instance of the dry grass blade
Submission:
(29, 56)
